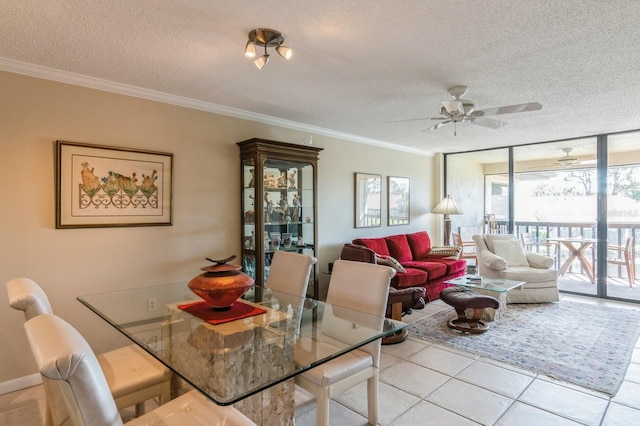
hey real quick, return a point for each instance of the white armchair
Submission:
(502, 256)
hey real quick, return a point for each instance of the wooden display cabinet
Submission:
(279, 204)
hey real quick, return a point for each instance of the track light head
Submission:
(261, 61)
(285, 52)
(268, 38)
(250, 50)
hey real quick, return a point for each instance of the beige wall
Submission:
(72, 262)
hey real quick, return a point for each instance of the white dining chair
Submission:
(68, 364)
(289, 272)
(133, 376)
(361, 287)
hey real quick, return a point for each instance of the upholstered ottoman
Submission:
(462, 298)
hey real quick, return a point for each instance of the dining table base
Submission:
(273, 406)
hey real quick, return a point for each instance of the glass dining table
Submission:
(249, 361)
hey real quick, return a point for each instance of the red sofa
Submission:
(424, 265)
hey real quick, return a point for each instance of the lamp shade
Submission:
(447, 206)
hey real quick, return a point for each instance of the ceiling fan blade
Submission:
(437, 126)
(531, 106)
(453, 107)
(409, 119)
(487, 122)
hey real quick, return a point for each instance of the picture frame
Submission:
(368, 190)
(106, 186)
(398, 200)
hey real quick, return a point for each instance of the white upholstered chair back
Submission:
(363, 287)
(27, 296)
(71, 369)
(289, 272)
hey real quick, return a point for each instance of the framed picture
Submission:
(398, 201)
(367, 200)
(101, 186)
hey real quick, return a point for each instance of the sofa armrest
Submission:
(492, 261)
(539, 261)
(358, 253)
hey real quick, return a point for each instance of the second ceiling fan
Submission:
(461, 110)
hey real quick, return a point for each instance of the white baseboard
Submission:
(20, 383)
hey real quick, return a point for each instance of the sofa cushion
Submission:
(511, 251)
(530, 275)
(399, 248)
(420, 244)
(454, 266)
(410, 278)
(433, 269)
(379, 245)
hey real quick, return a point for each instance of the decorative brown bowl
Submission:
(221, 284)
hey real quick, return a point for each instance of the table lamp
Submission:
(447, 207)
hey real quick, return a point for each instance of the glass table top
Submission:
(498, 285)
(231, 361)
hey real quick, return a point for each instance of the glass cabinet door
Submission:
(278, 204)
(249, 240)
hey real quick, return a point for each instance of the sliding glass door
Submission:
(623, 215)
(555, 207)
(576, 200)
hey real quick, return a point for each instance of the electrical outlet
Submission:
(152, 305)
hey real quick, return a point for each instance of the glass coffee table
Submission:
(496, 287)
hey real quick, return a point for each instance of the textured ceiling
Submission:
(358, 66)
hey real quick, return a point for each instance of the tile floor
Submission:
(427, 383)
(424, 383)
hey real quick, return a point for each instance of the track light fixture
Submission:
(268, 38)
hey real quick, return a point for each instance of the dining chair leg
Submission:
(631, 273)
(322, 407)
(372, 399)
(140, 409)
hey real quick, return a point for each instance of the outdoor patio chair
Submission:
(468, 248)
(624, 257)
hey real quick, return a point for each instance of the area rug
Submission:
(584, 344)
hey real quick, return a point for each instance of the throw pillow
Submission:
(399, 248)
(449, 252)
(511, 251)
(390, 261)
(491, 238)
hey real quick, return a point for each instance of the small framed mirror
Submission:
(368, 190)
(398, 201)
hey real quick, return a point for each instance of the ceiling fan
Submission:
(568, 161)
(461, 110)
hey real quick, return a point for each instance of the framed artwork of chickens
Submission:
(104, 186)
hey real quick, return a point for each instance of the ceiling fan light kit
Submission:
(266, 37)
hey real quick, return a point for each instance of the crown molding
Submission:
(47, 73)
